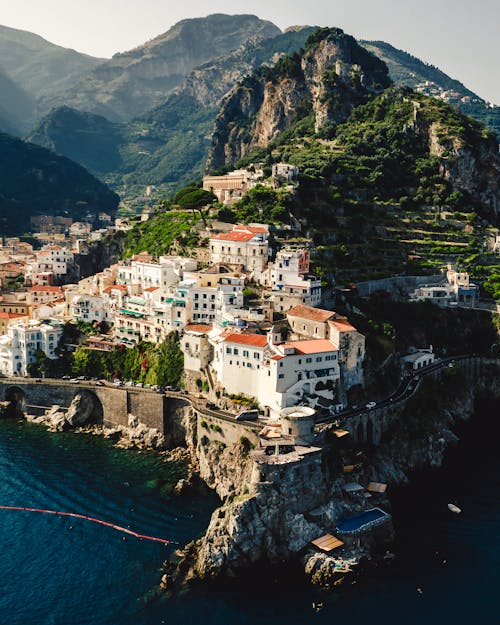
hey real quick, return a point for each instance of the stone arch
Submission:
(17, 398)
(85, 409)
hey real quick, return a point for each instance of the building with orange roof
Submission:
(245, 246)
(196, 347)
(309, 322)
(276, 374)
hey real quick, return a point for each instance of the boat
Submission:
(454, 508)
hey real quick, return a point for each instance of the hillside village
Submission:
(251, 327)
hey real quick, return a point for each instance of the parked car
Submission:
(74, 380)
(99, 383)
(247, 415)
(371, 404)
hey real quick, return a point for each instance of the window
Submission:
(281, 364)
(281, 376)
(235, 351)
(245, 353)
(308, 360)
(319, 359)
(228, 350)
(300, 361)
(256, 354)
(249, 364)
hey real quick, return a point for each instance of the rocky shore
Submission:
(271, 511)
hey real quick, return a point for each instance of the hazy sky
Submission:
(461, 37)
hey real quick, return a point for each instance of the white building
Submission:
(146, 271)
(19, 346)
(275, 375)
(290, 280)
(89, 308)
(197, 350)
(284, 172)
(307, 322)
(418, 358)
(458, 290)
(246, 246)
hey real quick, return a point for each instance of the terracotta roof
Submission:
(198, 327)
(254, 229)
(46, 288)
(150, 289)
(314, 346)
(256, 340)
(308, 312)
(116, 287)
(236, 235)
(5, 315)
(342, 325)
(277, 357)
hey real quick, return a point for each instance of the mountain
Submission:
(34, 180)
(391, 181)
(16, 106)
(409, 71)
(133, 82)
(39, 67)
(168, 145)
(329, 79)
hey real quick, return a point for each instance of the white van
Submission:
(247, 415)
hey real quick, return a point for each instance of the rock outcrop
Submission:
(333, 75)
(84, 410)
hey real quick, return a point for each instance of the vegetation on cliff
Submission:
(408, 71)
(146, 363)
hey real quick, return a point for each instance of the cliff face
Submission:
(332, 77)
(470, 164)
(274, 506)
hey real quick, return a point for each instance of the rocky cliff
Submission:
(329, 79)
(273, 506)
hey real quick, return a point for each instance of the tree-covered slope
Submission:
(408, 71)
(34, 180)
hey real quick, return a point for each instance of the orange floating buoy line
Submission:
(93, 520)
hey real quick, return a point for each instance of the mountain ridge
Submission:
(133, 82)
(34, 180)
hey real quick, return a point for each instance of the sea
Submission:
(56, 570)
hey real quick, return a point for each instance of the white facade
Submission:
(290, 280)
(276, 376)
(245, 245)
(18, 347)
(197, 350)
(89, 308)
(147, 272)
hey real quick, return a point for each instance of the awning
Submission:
(352, 487)
(340, 433)
(376, 487)
(327, 542)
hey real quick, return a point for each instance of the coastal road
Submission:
(408, 387)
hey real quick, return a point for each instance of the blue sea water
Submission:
(57, 571)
